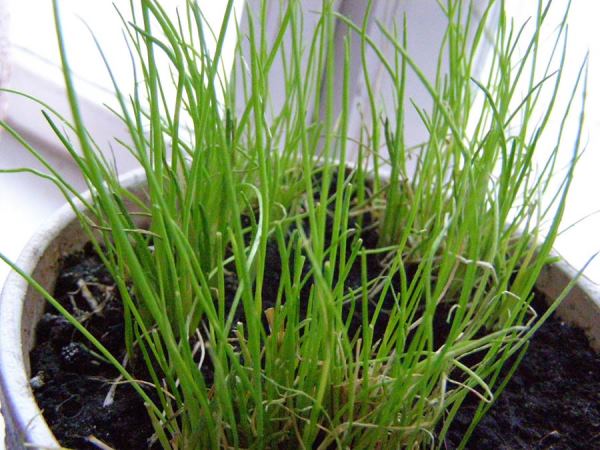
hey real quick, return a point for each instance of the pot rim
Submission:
(23, 418)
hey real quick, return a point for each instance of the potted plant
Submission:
(274, 289)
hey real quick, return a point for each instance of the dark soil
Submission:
(552, 402)
(70, 382)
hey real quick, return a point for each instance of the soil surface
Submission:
(70, 382)
(552, 402)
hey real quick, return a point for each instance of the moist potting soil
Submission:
(552, 401)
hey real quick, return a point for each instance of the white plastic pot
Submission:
(21, 307)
